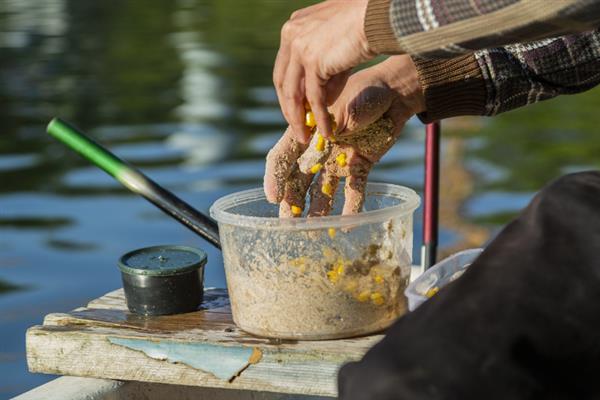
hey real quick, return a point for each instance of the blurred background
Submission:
(182, 89)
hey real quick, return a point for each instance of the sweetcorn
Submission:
(296, 210)
(331, 232)
(377, 298)
(316, 168)
(310, 120)
(341, 160)
(332, 276)
(320, 146)
(327, 189)
(364, 296)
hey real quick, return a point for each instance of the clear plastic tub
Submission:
(317, 278)
(438, 276)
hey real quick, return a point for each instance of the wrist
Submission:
(452, 87)
(378, 28)
(400, 74)
(367, 48)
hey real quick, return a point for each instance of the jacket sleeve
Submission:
(446, 28)
(495, 80)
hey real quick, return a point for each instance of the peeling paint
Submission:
(224, 362)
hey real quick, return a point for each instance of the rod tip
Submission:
(51, 124)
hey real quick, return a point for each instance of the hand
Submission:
(319, 45)
(371, 112)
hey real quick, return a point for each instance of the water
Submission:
(182, 89)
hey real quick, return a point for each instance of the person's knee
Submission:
(569, 198)
(587, 182)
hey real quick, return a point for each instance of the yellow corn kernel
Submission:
(377, 299)
(316, 168)
(310, 119)
(378, 279)
(364, 296)
(296, 210)
(341, 160)
(340, 269)
(332, 276)
(331, 232)
(327, 189)
(431, 292)
(320, 146)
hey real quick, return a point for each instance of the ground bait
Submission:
(316, 285)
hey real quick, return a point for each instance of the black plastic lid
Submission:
(162, 260)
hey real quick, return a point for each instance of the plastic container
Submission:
(163, 280)
(317, 278)
(438, 276)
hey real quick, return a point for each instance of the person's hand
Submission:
(319, 45)
(371, 112)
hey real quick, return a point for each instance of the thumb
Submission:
(356, 110)
(399, 113)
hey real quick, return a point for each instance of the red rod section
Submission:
(431, 194)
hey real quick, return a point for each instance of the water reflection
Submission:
(6, 287)
(182, 89)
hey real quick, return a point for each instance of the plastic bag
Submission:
(438, 276)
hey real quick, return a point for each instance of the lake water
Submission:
(182, 89)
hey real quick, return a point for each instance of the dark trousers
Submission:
(522, 323)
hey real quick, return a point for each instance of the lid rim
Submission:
(219, 211)
(126, 269)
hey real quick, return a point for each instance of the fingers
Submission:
(399, 114)
(280, 162)
(356, 182)
(287, 78)
(280, 68)
(336, 85)
(293, 202)
(373, 141)
(315, 155)
(322, 193)
(360, 109)
(317, 97)
(354, 194)
(292, 101)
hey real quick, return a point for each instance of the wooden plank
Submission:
(104, 340)
(88, 352)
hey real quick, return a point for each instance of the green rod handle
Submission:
(86, 147)
(136, 181)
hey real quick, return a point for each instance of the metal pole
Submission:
(431, 195)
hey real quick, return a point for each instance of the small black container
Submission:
(163, 280)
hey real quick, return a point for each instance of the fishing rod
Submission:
(134, 180)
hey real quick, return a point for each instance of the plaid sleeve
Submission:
(446, 28)
(500, 79)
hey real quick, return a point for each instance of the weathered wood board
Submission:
(203, 348)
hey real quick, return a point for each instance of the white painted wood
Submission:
(76, 388)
